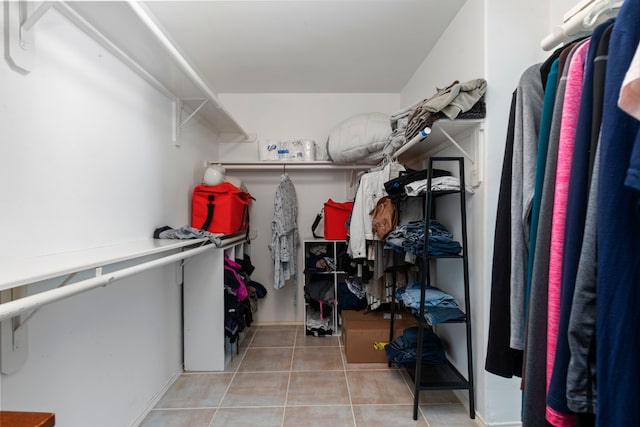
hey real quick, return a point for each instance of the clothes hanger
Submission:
(605, 9)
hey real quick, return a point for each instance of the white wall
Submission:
(291, 116)
(507, 58)
(458, 55)
(87, 160)
(297, 116)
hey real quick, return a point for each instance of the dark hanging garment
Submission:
(581, 376)
(599, 74)
(501, 359)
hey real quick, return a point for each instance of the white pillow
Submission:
(359, 138)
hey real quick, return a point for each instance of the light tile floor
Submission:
(284, 378)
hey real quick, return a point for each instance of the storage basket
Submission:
(222, 208)
(336, 215)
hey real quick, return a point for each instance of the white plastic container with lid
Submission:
(308, 150)
(284, 151)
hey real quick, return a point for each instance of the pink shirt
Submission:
(570, 110)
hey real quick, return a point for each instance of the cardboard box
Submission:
(361, 330)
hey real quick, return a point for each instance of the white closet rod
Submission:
(266, 165)
(17, 307)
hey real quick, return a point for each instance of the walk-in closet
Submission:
(319, 213)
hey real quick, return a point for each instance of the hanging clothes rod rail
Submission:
(17, 307)
(282, 166)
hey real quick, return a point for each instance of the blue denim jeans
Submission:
(439, 306)
(410, 296)
(403, 349)
(409, 238)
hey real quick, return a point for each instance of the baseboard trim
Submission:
(156, 398)
(499, 424)
(277, 324)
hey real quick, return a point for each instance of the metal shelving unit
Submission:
(445, 376)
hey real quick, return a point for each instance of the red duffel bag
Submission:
(222, 208)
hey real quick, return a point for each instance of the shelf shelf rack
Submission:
(445, 376)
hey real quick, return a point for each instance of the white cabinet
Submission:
(205, 345)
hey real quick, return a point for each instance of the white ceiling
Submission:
(305, 46)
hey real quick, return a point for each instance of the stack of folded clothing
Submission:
(439, 306)
(457, 101)
(399, 121)
(450, 103)
(403, 350)
(438, 183)
(441, 240)
(409, 238)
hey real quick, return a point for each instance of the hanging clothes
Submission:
(284, 234)
(527, 124)
(618, 228)
(577, 199)
(541, 163)
(534, 384)
(571, 108)
(581, 376)
(581, 299)
(370, 190)
(501, 359)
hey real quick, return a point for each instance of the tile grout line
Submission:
(286, 396)
(235, 371)
(343, 356)
(411, 391)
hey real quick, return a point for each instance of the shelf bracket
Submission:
(476, 175)
(13, 341)
(13, 338)
(13, 331)
(179, 121)
(21, 324)
(21, 35)
(455, 143)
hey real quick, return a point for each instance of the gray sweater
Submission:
(525, 147)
